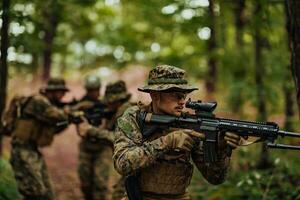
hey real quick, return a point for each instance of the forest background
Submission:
(244, 54)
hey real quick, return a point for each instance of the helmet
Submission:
(92, 82)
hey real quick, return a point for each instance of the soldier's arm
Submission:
(214, 173)
(102, 134)
(130, 153)
(41, 109)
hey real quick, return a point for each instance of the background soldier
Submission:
(162, 171)
(96, 157)
(35, 127)
(90, 148)
(117, 98)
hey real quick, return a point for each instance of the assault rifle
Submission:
(206, 122)
(92, 118)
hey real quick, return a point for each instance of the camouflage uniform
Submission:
(93, 148)
(95, 159)
(162, 174)
(35, 128)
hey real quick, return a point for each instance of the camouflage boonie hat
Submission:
(92, 82)
(165, 77)
(56, 84)
(116, 92)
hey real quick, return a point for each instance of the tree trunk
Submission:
(264, 161)
(240, 22)
(211, 77)
(289, 103)
(4, 66)
(50, 24)
(288, 89)
(36, 68)
(293, 26)
(239, 72)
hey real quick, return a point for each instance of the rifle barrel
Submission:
(283, 146)
(289, 134)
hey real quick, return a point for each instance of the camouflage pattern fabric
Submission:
(119, 188)
(94, 168)
(41, 109)
(133, 154)
(165, 77)
(35, 127)
(38, 121)
(30, 171)
(155, 197)
(95, 159)
(116, 92)
(95, 151)
(56, 84)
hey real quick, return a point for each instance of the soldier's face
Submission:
(58, 95)
(94, 94)
(169, 102)
(114, 106)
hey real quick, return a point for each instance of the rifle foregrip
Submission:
(210, 154)
(228, 151)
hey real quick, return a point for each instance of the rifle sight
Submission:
(200, 106)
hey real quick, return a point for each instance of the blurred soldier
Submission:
(117, 98)
(35, 127)
(96, 157)
(161, 163)
(90, 102)
(89, 149)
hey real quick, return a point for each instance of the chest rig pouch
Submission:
(166, 176)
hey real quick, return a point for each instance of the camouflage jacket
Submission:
(133, 153)
(104, 135)
(43, 111)
(38, 121)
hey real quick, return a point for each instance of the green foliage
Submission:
(246, 182)
(8, 187)
(113, 33)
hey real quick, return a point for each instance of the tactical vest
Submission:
(170, 175)
(28, 128)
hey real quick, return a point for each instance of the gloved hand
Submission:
(83, 127)
(181, 139)
(233, 140)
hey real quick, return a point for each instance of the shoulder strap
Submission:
(140, 118)
(146, 129)
(22, 106)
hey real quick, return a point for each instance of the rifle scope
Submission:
(200, 106)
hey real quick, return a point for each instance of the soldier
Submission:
(163, 172)
(92, 85)
(35, 127)
(117, 98)
(89, 149)
(96, 156)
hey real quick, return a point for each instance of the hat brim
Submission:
(57, 89)
(119, 97)
(165, 87)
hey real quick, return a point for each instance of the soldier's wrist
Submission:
(160, 146)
